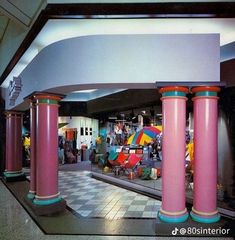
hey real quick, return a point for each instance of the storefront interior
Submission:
(120, 102)
(106, 136)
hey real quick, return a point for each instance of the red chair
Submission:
(133, 162)
(119, 163)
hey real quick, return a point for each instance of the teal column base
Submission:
(14, 176)
(205, 219)
(46, 207)
(173, 219)
(46, 201)
(30, 195)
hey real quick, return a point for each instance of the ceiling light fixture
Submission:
(85, 91)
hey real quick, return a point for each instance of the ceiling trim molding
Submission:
(153, 10)
(121, 10)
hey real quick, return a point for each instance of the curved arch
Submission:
(122, 60)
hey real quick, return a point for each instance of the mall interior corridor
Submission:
(117, 119)
(15, 223)
(118, 204)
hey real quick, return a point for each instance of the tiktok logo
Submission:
(175, 231)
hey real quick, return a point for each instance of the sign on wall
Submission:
(14, 90)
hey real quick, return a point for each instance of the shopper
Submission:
(68, 154)
(155, 148)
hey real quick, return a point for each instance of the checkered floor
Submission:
(92, 198)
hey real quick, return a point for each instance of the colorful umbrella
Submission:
(145, 135)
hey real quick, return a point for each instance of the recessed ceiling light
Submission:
(85, 91)
(113, 117)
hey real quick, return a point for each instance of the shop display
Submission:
(129, 150)
(26, 150)
(146, 172)
(153, 174)
(139, 171)
(131, 176)
(145, 135)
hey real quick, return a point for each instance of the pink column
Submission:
(173, 152)
(47, 148)
(32, 187)
(205, 155)
(13, 145)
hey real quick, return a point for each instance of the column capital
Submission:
(10, 113)
(44, 95)
(205, 91)
(175, 91)
(47, 99)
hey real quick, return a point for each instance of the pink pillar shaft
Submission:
(32, 188)
(9, 154)
(47, 145)
(173, 152)
(14, 142)
(205, 169)
(205, 155)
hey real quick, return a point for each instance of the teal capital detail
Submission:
(48, 101)
(206, 94)
(174, 94)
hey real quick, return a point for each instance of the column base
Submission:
(14, 176)
(205, 219)
(46, 210)
(31, 195)
(46, 201)
(173, 219)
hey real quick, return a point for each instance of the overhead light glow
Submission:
(85, 91)
(112, 117)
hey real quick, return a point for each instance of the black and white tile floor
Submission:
(96, 199)
(16, 223)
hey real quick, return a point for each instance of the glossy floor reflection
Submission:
(93, 198)
(15, 223)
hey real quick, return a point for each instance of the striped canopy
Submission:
(145, 135)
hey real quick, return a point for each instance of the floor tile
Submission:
(92, 198)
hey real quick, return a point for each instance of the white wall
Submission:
(122, 59)
(78, 122)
